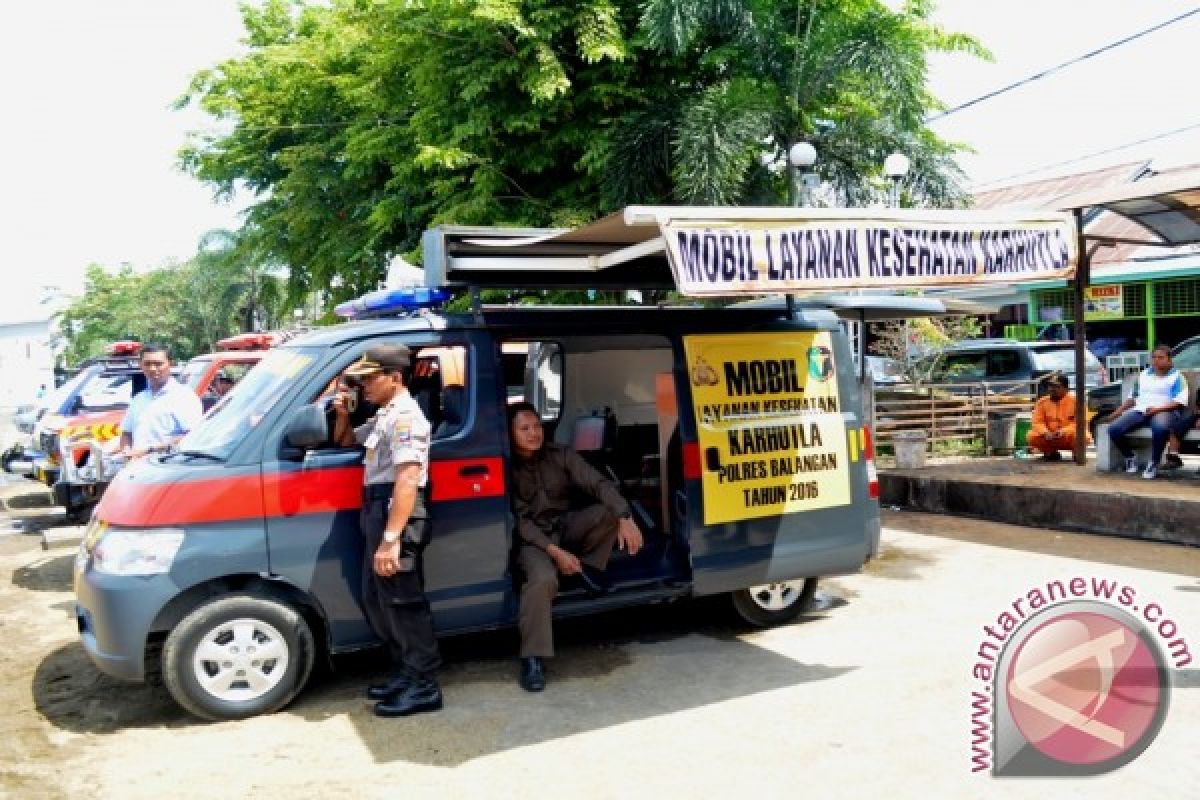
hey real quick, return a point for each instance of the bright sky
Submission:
(88, 146)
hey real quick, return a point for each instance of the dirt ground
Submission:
(663, 701)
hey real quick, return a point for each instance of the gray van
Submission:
(736, 434)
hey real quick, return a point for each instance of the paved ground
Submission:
(868, 696)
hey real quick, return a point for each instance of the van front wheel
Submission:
(774, 603)
(237, 657)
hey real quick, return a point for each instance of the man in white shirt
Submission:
(159, 415)
(1159, 397)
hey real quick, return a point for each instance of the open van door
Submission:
(777, 480)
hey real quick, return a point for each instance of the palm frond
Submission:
(719, 141)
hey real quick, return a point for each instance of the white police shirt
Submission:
(397, 434)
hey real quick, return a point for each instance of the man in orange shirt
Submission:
(1053, 426)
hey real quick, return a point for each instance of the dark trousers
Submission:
(590, 534)
(396, 606)
(1160, 429)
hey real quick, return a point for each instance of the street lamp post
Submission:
(802, 156)
(895, 167)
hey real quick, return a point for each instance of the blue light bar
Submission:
(392, 301)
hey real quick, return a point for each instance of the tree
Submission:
(358, 125)
(188, 306)
(846, 75)
(919, 345)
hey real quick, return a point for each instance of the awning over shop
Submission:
(1165, 209)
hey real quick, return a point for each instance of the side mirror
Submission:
(307, 428)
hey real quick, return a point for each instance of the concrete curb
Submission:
(1161, 519)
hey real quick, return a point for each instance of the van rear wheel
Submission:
(774, 603)
(237, 657)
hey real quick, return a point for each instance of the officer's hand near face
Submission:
(340, 403)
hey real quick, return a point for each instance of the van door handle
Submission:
(473, 469)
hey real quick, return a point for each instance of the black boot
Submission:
(382, 691)
(420, 696)
(532, 677)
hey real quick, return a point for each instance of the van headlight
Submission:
(145, 552)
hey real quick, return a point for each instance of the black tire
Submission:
(775, 603)
(263, 625)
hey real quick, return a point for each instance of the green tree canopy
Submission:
(188, 306)
(358, 124)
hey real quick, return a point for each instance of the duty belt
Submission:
(383, 491)
(378, 491)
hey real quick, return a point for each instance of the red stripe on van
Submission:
(180, 503)
(691, 461)
(466, 478)
(281, 494)
(318, 491)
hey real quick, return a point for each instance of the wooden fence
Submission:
(948, 413)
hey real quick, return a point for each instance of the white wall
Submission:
(26, 360)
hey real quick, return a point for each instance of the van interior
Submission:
(612, 400)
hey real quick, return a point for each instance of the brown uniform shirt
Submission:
(541, 492)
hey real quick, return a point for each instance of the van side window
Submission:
(438, 383)
(544, 379)
(436, 379)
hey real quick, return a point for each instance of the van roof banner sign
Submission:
(822, 249)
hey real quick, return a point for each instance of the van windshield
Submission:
(194, 372)
(55, 401)
(248, 402)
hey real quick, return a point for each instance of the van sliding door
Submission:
(774, 487)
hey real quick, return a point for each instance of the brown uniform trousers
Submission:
(590, 534)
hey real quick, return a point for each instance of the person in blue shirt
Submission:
(159, 415)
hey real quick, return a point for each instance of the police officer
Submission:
(396, 528)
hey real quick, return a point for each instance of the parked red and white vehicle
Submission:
(88, 445)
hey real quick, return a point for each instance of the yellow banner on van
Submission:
(769, 418)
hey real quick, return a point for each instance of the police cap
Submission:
(384, 357)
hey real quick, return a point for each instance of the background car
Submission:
(977, 360)
(886, 371)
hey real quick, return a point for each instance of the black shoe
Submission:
(1171, 461)
(532, 678)
(419, 697)
(1052, 455)
(595, 582)
(383, 691)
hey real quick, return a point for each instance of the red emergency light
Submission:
(247, 341)
(125, 348)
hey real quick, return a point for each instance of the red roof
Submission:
(1043, 193)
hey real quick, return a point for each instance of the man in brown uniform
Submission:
(555, 538)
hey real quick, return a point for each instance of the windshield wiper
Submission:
(196, 454)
